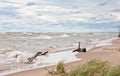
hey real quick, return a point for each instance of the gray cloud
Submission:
(104, 3)
(116, 10)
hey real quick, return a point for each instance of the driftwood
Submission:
(79, 49)
(119, 34)
(119, 31)
(44, 53)
(30, 60)
(16, 55)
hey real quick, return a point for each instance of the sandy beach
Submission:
(109, 53)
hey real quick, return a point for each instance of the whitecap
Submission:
(42, 37)
(27, 33)
(64, 35)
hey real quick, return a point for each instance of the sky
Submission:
(59, 15)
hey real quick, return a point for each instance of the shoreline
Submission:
(31, 67)
(70, 63)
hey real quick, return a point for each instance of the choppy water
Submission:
(31, 42)
(27, 44)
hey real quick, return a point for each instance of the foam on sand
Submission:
(48, 60)
(99, 43)
(105, 42)
(54, 58)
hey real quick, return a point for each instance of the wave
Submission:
(42, 37)
(3, 33)
(27, 33)
(64, 35)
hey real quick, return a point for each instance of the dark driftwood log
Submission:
(119, 31)
(30, 60)
(37, 54)
(79, 49)
(16, 55)
(44, 53)
(119, 35)
(83, 49)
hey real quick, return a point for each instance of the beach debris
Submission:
(79, 49)
(44, 53)
(119, 32)
(16, 56)
(30, 60)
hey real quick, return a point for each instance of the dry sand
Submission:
(110, 53)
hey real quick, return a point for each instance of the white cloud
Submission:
(28, 13)
(52, 8)
(116, 16)
(6, 19)
(48, 18)
(83, 17)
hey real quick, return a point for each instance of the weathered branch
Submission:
(30, 60)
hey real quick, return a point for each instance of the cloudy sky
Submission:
(59, 15)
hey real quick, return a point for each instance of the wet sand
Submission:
(109, 53)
